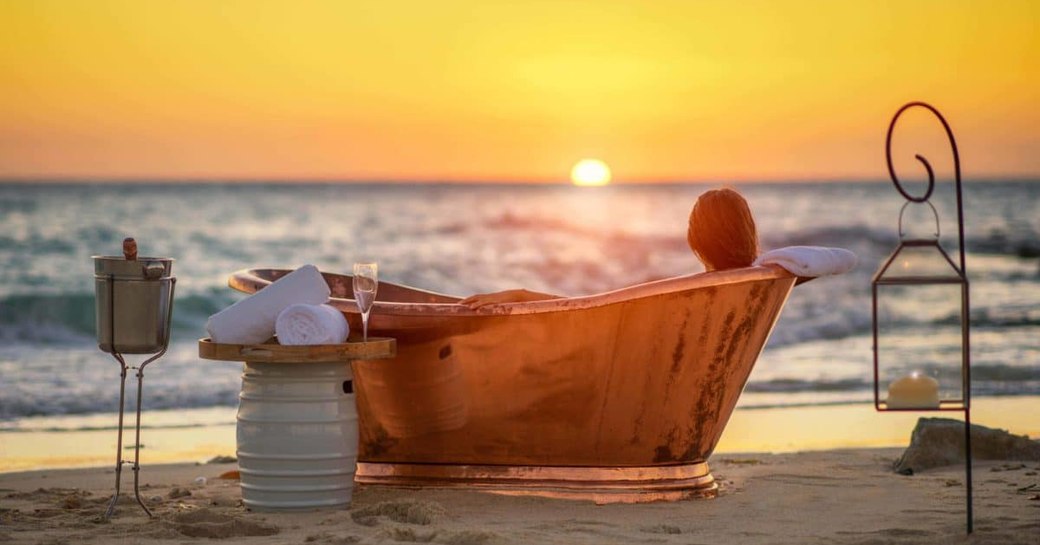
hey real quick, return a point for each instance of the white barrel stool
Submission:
(297, 434)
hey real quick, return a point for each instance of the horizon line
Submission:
(56, 180)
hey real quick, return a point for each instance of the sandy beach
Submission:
(836, 496)
(843, 490)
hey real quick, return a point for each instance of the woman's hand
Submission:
(508, 296)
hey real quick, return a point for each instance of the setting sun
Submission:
(590, 172)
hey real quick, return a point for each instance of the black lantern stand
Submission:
(920, 265)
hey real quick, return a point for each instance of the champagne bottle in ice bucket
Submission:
(366, 283)
(133, 299)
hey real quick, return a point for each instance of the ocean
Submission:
(461, 239)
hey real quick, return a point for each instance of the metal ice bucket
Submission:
(133, 298)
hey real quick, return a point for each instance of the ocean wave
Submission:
(19, 427)
(104, 400)
(1004, 373)
(986, 379)
(69, 317)
(842, 236)
(43, 317)
(783, 385)
(11, 204)
(1022, 243)
(97, 235)
(1000, 317)
(805, 322)
(40, 245)
(781, 405)
(980, 318)
(1017, 239)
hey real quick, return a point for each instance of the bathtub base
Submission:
(598, 484)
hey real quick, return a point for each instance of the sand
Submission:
(834, 496)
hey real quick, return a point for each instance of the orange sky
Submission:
(484, 90)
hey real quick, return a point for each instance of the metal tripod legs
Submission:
(122, 395)
(137, 432)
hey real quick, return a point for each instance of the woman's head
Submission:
(722, 231)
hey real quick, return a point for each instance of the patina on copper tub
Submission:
(619, 396)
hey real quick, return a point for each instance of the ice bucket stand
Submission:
(150, 276)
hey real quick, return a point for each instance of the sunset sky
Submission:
(485, 90)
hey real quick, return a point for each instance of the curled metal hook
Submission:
(927, 166)
(931, 175)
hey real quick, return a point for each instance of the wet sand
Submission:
(781, 429)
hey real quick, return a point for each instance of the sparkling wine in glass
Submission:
(366, 281)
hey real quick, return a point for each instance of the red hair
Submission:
(722, 231)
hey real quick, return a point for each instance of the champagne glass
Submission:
(366, 281)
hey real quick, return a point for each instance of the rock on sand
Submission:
(937, 442)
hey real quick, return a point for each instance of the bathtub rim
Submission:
(250, 281)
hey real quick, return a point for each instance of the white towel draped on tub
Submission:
(311, 324)
(810, 260)
(252, 320)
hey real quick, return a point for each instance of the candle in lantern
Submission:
(914, 391)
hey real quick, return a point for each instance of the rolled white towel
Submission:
(311, 324)
(810, 260)
(252, 320)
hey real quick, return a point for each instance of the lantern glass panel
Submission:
(921, 342)
(920, 337)
(920, 260)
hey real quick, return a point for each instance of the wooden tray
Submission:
(272, 352)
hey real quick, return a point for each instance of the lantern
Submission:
(921, 320)
(921, 352)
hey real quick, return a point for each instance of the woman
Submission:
(721, 233)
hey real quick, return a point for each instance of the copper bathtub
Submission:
(614, 397)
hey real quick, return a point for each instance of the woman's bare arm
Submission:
(508, 296)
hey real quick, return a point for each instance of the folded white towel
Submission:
(810, 260)
(311, 324)
(252, 320)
